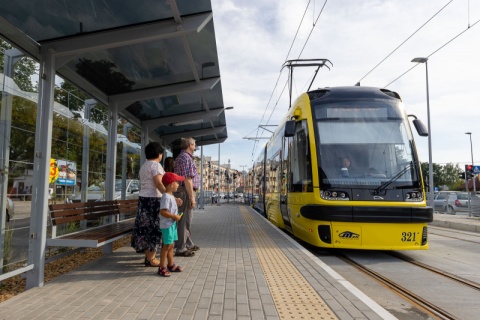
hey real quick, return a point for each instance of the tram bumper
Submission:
(373, 228)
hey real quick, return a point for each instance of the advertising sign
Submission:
(67, 173)
(53, 171)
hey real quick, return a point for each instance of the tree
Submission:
(24, 69)
(443, 176)
(451, 173)
(74, 98)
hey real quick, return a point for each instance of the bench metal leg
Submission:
(107, 248)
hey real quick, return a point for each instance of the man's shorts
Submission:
(170, 235)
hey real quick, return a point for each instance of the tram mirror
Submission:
(420, 127)
(290, 128)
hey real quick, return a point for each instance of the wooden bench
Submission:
(92, 212)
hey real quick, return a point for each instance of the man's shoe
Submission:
(186, 253)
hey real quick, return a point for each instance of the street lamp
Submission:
(430, 163)
(471, 152)
(218, 192)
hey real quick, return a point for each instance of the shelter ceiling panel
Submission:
(134, 67)
(50, 19)
(176, 104)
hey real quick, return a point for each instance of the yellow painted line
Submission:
(293, 296)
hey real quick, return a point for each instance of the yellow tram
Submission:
(342, 171)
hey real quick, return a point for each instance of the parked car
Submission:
(228, 195)
(451, 202)
(97, 192)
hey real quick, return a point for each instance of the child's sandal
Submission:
(175, 268)
(163, 272)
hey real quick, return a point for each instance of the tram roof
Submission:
(156, 59)
(355, 92)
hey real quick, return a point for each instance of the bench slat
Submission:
(103, 233)
(81, 210)
(127, 205)
(70, 212)
(63, 213)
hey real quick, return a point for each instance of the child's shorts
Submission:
(170, 235)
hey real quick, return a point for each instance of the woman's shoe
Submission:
(152, 263)
(150, 260)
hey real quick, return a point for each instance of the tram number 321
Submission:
(409, 236)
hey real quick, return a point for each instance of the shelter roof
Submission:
(156, 60)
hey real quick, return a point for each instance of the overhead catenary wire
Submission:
(278, 79)
(286, 58)
(431, 54)
(401, 44)
(299, 55)
(314, 24)
(469, 26)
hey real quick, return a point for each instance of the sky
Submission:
(255, 38)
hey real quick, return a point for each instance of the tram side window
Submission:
(301, 168)
(273, 168)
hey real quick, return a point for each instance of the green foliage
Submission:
(67, 133)
(444, 175)
(70, 96)
(23, 69)
(8, 249)
(68, 228)
(74, 98)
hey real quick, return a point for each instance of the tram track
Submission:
(445, 274)
(426, 294)
(454, 237)
(423, 303)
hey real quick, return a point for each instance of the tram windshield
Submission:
(365, 144)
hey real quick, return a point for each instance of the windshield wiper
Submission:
(393, 179)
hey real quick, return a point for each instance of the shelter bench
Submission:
(92, 237)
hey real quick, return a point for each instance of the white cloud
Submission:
(254, 37)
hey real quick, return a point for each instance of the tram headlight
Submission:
(334, 195)
(413, 196)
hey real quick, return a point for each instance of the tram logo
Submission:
(349, 235)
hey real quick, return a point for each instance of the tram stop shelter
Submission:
(153, 63)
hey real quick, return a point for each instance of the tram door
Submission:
(285, 170)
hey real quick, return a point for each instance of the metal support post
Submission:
(202, 196)
(11, 57)
(218, 191)
(41, 172)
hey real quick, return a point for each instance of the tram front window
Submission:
(365, 145)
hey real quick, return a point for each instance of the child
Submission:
(168, 225)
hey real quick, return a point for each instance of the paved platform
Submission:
(246, 269)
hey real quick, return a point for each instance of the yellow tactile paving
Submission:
(293, 296)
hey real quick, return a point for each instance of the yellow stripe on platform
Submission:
(293, 296)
